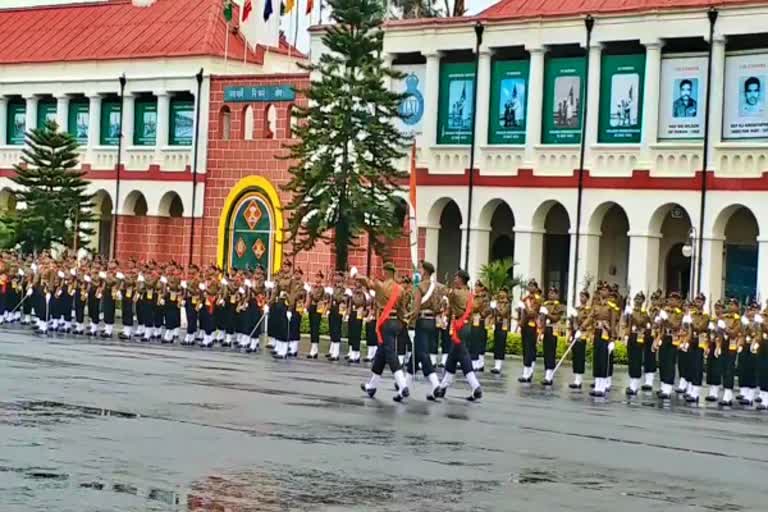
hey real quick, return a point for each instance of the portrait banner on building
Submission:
(563, 93)
(145, 124)
(509, 93)
(745, 113)
(46, 111)
(79, 119)
(182, 123)
(454, 114)
(110, 122)
(621, 98)
(17, 122)
(682, 97)
(412, 106)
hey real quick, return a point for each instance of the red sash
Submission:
(388, 307)
(210, 302)
(458, 324)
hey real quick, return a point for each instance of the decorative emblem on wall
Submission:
(252, 214)
(259, 248)
(240, 247)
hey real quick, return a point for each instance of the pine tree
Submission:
(343, 181)
(51, 190)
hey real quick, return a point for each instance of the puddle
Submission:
(31, 413)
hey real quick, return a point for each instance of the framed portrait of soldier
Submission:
(621, 98)
(455, 114)
(682, 96)
(564, 79)
(509, 96)
(745, 113)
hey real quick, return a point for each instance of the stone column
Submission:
(62, 112)
(643, 271)
(163, 118)
(129, 119)
(762, 268)
(432, 93)
(3, 120)
(593, 102)
(534, 105)
(431, 242)
(650, 101)
(529, 251)
(479, 239)
(712, 271)
(31, 112)
(716, 103)
(94, 120)
(483, 101)
(589, 258)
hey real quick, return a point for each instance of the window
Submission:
(110, 122)
(79, 118)
(294, 123)
(270, 122)
(248, 123)
(225, 123)
(176, 208)
(46, 111)
(16, 122)
(145, 122)
(182, 121)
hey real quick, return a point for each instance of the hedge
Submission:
(514, 342)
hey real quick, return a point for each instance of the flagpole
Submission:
(290, 26)
(296, 27)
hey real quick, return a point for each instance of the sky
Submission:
(287, 25)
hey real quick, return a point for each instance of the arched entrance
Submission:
(673, 224)
(557, 248)
(740, 267)
(250, 237)
(449, 242)
(613, 253)
(102, 239)
(502, 238)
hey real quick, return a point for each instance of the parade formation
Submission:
(407, 326)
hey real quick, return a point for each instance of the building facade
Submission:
(640, 88)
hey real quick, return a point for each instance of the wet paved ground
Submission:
(89, 426)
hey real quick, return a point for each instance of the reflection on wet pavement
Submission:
(112, 426)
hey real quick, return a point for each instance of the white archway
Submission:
(171, 205)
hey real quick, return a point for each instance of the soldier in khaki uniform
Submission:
(762, 359)
(551, 314)
(731, 339)
(714, 361)
(481, 309)
(501, 309)
(604, 320)
(528, 316)
(357, 306)
(581, 319)
(695, 347)
(315, 306)
(426, 303)
(337, 300)
(669, 323)
(392, 312)
(637, 323)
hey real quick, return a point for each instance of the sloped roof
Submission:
(116, 29)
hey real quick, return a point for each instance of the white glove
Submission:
(711, 326)
(348, 292)
(120, 276)
(611, 346)
(164, 280)
(353, 272)
(34, 268)
(307, 287)
(493, 304)
(373, 293)
(72, 271)
(520, 305)
(687, 320)
(241, 290)
(329, 290)
(201, 286)
(102, 275)
(758, 319)
(269, 285)
(224, 281)
(577, 336)
(289, 315)
(60, 273)
(47, 297)
(572, 313)
(141, 278)
(29, 292)
(663, 314)
(87, 279)
(720, 324)
(628, 310)
(648, 325)
(119, 295)
(543, 311)
(744, 320)
(266, 309)
(249, 283)
(184, 285)
(21, 272)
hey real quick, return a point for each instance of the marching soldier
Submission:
(460, 300)
(315, 306)
(637, 327)
(358, 304)
(714, 361)
(649, 352)
(731, 336)
(279, 315)
(762, 359)
(110, 297)
(479, 335)
(551, 313)
(336, 309)
(670, 323)
(296, 301)
(502, 320)
(751, 334)
(371, 341)
(426, 302)
(391, 312)
(581, 319)
(605, 321)
(696, 346)
(528, 314)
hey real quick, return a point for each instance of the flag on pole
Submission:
(228, 10)
(289, 5)
(267, 9)
(247, 8)
(414, 230)
(310, 7)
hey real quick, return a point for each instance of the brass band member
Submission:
(696, 346)
(714, 361)
(730, 326)
(669, 323)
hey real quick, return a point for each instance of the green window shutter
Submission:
(110, 122)
(46, 111)
(16, 122)
(145, 122)
(182, 123)
(79, 119)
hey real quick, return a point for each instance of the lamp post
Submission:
(478, 41)
(689, 251)
(589, 23)
(117, 171)
(199, 78)
(73, 224)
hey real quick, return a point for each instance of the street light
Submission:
(70, 224)
(689, 251)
